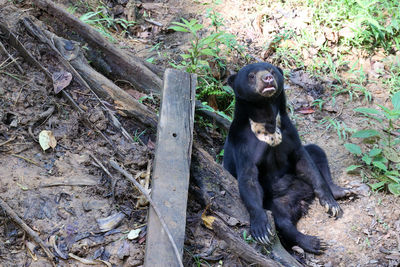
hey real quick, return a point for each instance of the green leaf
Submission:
(207, 52)
(374, 152)
(367, 111)
(228, 89)
(366, 133)
(379, 165)
(377, 186)
(180, 24)
(354, 149)
(196, 27)
(396, 101)
(191, 23)
(367, 159)
(185, 56)
(393, 175)
(394, 189)
(352, 168)
(391, 154)
(387, 112)
(178, 29)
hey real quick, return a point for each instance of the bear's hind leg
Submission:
(321, 161)
(291, 236)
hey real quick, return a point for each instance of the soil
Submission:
(62, 192)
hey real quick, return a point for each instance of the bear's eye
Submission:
(252, 76)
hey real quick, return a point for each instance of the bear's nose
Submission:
(267, 78)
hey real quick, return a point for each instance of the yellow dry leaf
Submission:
(207, 220)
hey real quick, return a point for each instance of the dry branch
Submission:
(13, 60)
(10, 212)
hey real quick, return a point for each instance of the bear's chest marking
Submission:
(272, 139)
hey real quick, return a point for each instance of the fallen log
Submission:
(70, 53)
(237, 244)
(124, 67)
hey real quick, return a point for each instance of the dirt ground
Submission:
(62, 192)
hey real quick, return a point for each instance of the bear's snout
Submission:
(266, 84)
(268, 79)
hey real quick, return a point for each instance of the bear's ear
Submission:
(280, 70)
(231, 80)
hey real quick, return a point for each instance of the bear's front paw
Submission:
(261, 230)
(331, 206)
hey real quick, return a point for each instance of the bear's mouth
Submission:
(268, 89)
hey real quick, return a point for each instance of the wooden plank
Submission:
(171, 168)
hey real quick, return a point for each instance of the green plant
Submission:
(199, 262)
(200, 47)
(382, 157)
(220, 156)
(137, 135)
(340, 127)
(351, 87)
(247, 238)
(288, 58)
(206, 57)
(216, 18)
(149, 98)
(102, 20)
(394, 80)
(372, 23)
(72, 9)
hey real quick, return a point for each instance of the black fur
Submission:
(284, 178)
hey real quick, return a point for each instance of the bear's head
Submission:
(257, 82)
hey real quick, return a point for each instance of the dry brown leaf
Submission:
(61, 80)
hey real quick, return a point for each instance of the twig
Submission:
(38, 119)
(157, 211)
(114, 180)
(19, 94)
(10, 212)
(159, 24)
(148, 172)
(8, 141)
(26, 159)
(64, 184)
(13, 60)
(89, 262)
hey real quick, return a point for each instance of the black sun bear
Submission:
(274, 170)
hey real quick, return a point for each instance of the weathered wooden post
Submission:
(171, 168)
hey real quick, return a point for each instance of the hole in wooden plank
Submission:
(174, 134)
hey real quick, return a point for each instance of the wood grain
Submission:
(171, 167)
